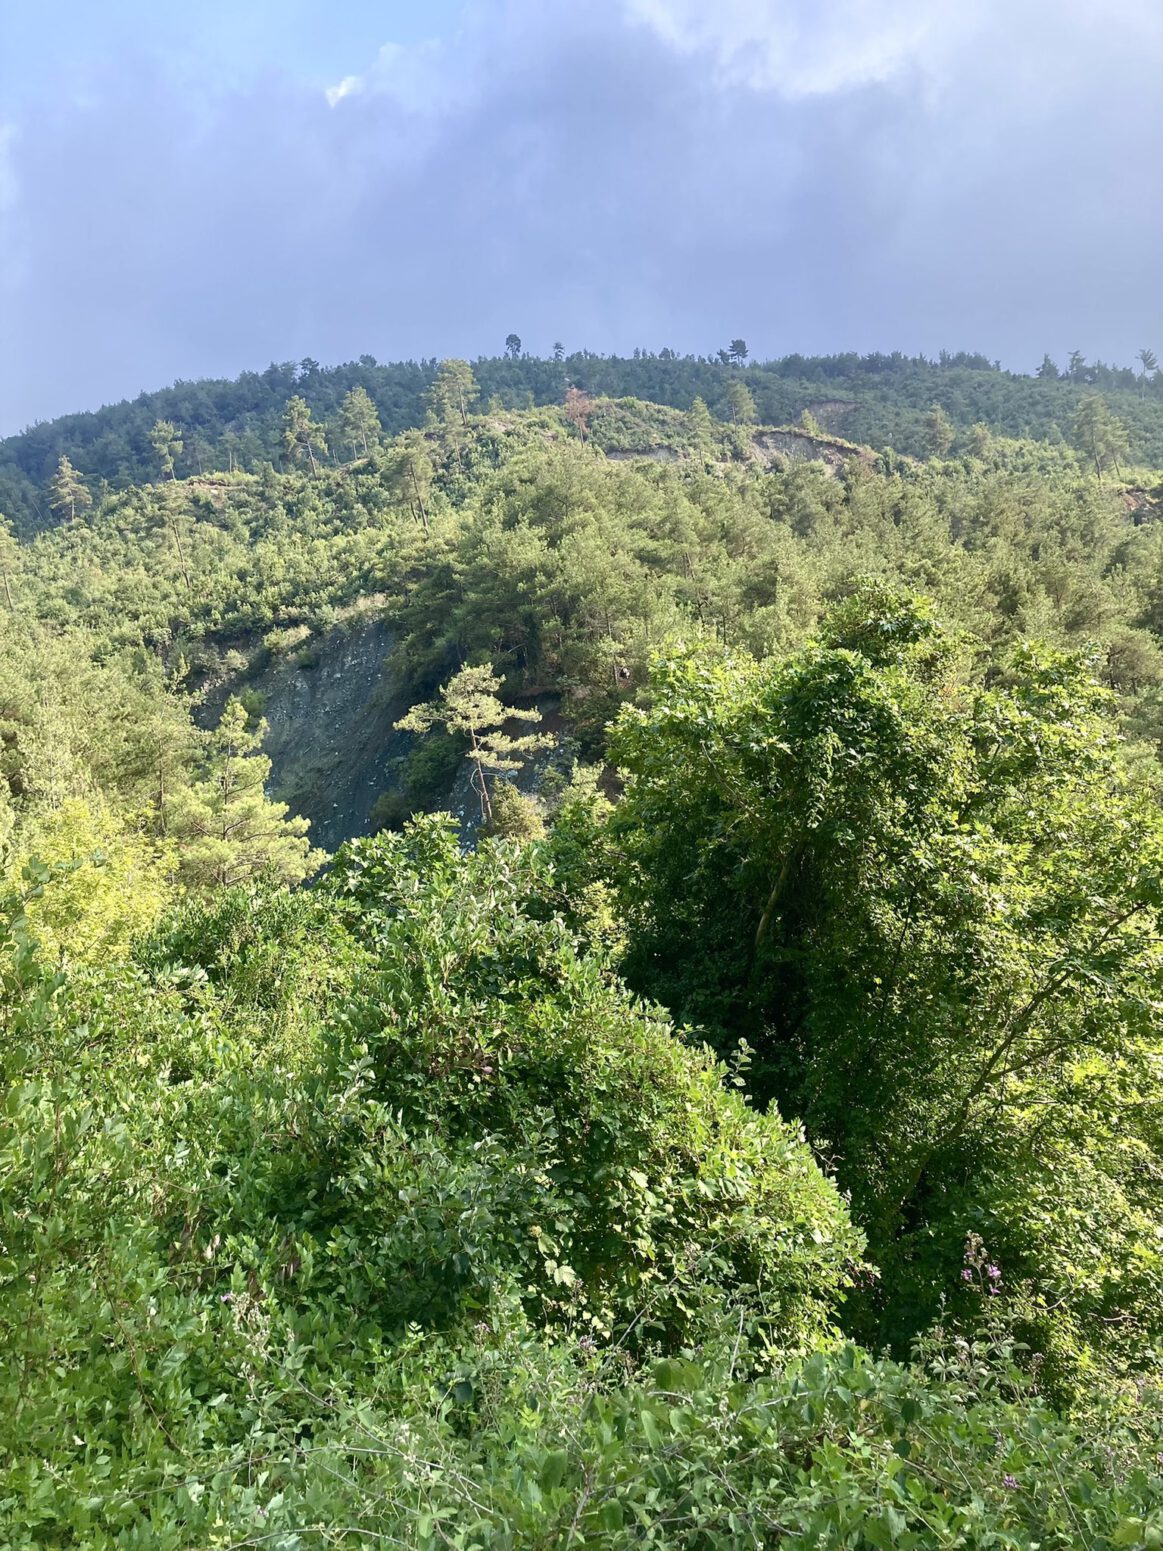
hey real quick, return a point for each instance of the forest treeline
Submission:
(881, 400)
(754, 1138)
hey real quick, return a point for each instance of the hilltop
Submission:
(881, 401)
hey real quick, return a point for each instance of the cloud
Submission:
(800, 48)
(851, 176)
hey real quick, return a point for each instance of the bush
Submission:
(644, 1180)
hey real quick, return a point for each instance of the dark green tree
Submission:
(928, 908)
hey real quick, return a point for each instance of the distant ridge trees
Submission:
(239, 425)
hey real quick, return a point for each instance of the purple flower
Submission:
(993, 1273)
(226, 1298)
(1010, 1483)
(967, 1275)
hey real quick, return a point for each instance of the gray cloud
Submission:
(853, 176)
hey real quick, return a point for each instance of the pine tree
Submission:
(453, 393)
(513, 347)
(1098, 435)
(740, 403)
(939, 431)
(468, 705)
(69, 492)
(302, 436)
(702, 427)
(168, 504)
(737, 351)
(810, 425)
(410, 475)
(359, 422)
(981, 440)
(168, 445)
(226, 830)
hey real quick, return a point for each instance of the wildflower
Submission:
(967, 1275)
(1010, 1483)
(994, 1273)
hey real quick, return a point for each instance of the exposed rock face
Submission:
(795, 446)
(332, 742)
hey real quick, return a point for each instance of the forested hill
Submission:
(563, 1187)
(883, 401)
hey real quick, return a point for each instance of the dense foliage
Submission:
(753, 1137)
(882, 400)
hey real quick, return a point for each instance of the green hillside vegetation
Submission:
(755, 1137)
(878, 400)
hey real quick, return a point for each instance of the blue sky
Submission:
(198, 189)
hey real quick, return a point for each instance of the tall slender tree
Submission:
(578, 406)
(303, 437)
(939, 431)
(167, 444)
(359, 422)
(69, 492)
(740, 403)
(454, 392)
(468, 705)
(1098, 435)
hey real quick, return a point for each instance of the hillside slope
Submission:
(878, 400)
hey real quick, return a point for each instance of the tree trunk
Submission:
(419, 498)
(181, 553)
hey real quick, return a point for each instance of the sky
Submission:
(196, 190)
